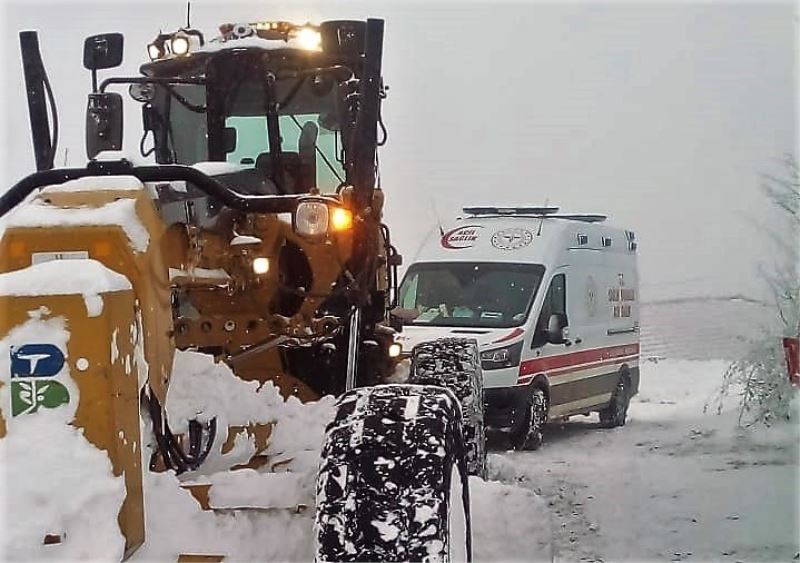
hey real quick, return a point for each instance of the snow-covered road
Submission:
(674, 484)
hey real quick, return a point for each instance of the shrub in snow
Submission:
(760, 375)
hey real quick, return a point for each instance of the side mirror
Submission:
(396, 322)
(229, 139)
(102, 51)
(103, 123)
(557, 330)
(343, 37)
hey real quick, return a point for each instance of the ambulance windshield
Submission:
(485, 294)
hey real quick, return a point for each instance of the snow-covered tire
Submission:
(527, 434)
(615, 414)
(392, 484)
(454, 363)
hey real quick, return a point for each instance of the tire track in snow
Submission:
(574, 536)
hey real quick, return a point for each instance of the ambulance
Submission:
(551, 298)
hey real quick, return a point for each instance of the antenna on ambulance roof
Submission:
(438, 217)
(541, 219)
(188, 15)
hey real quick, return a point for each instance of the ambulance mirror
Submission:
(557, 330)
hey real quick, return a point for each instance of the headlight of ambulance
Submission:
(499, 358)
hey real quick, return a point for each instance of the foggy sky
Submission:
(660, 115)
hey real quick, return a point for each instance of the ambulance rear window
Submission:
(472, 294)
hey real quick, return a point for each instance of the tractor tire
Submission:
(392, 484)
(528, 433)
(615, 414)
(454, 363)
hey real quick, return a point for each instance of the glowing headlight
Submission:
(179, 45)
(311, 218)
(155, 51)
(309, 39)
(341, 219)
(395, 350)
(260, 266)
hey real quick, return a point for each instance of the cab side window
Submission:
(554, 302)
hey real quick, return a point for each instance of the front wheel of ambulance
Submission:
(454, 363)
(527, 434)
(616, 412)
(392, 484)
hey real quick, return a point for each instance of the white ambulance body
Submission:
(552, 300)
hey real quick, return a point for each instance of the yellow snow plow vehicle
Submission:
(250, 231)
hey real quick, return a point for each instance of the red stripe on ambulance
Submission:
(557, 365)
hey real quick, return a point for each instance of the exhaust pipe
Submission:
(37, 86)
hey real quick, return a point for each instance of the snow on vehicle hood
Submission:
(413, 335)
(38, 214)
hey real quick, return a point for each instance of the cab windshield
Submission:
(302, 136)
(469, 294)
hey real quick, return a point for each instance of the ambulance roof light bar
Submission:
(549, 212)
(510, 210)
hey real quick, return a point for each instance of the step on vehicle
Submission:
(552, 299)
(253, 235)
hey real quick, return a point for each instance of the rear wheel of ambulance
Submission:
(393, 484)
(527, 432)
(454, 363)
(616, 412)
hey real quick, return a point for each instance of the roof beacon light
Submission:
(155, 51)
(179, 45)
(309, 39)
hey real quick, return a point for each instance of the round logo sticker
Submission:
(512, 239)
(462, 237)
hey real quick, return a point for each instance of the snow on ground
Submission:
(674, 484)
(278, 525)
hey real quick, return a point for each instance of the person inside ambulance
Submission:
(429, 297)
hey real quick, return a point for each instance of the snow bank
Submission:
(78, 500)
(251, 488)
(201, 389)
(85, 277)
(677, 482)
(176, 524)
(55, 482)
(509, 523)
(37, 214)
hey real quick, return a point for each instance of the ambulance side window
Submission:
(554, 302)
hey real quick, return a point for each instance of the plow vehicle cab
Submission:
(253, 235)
